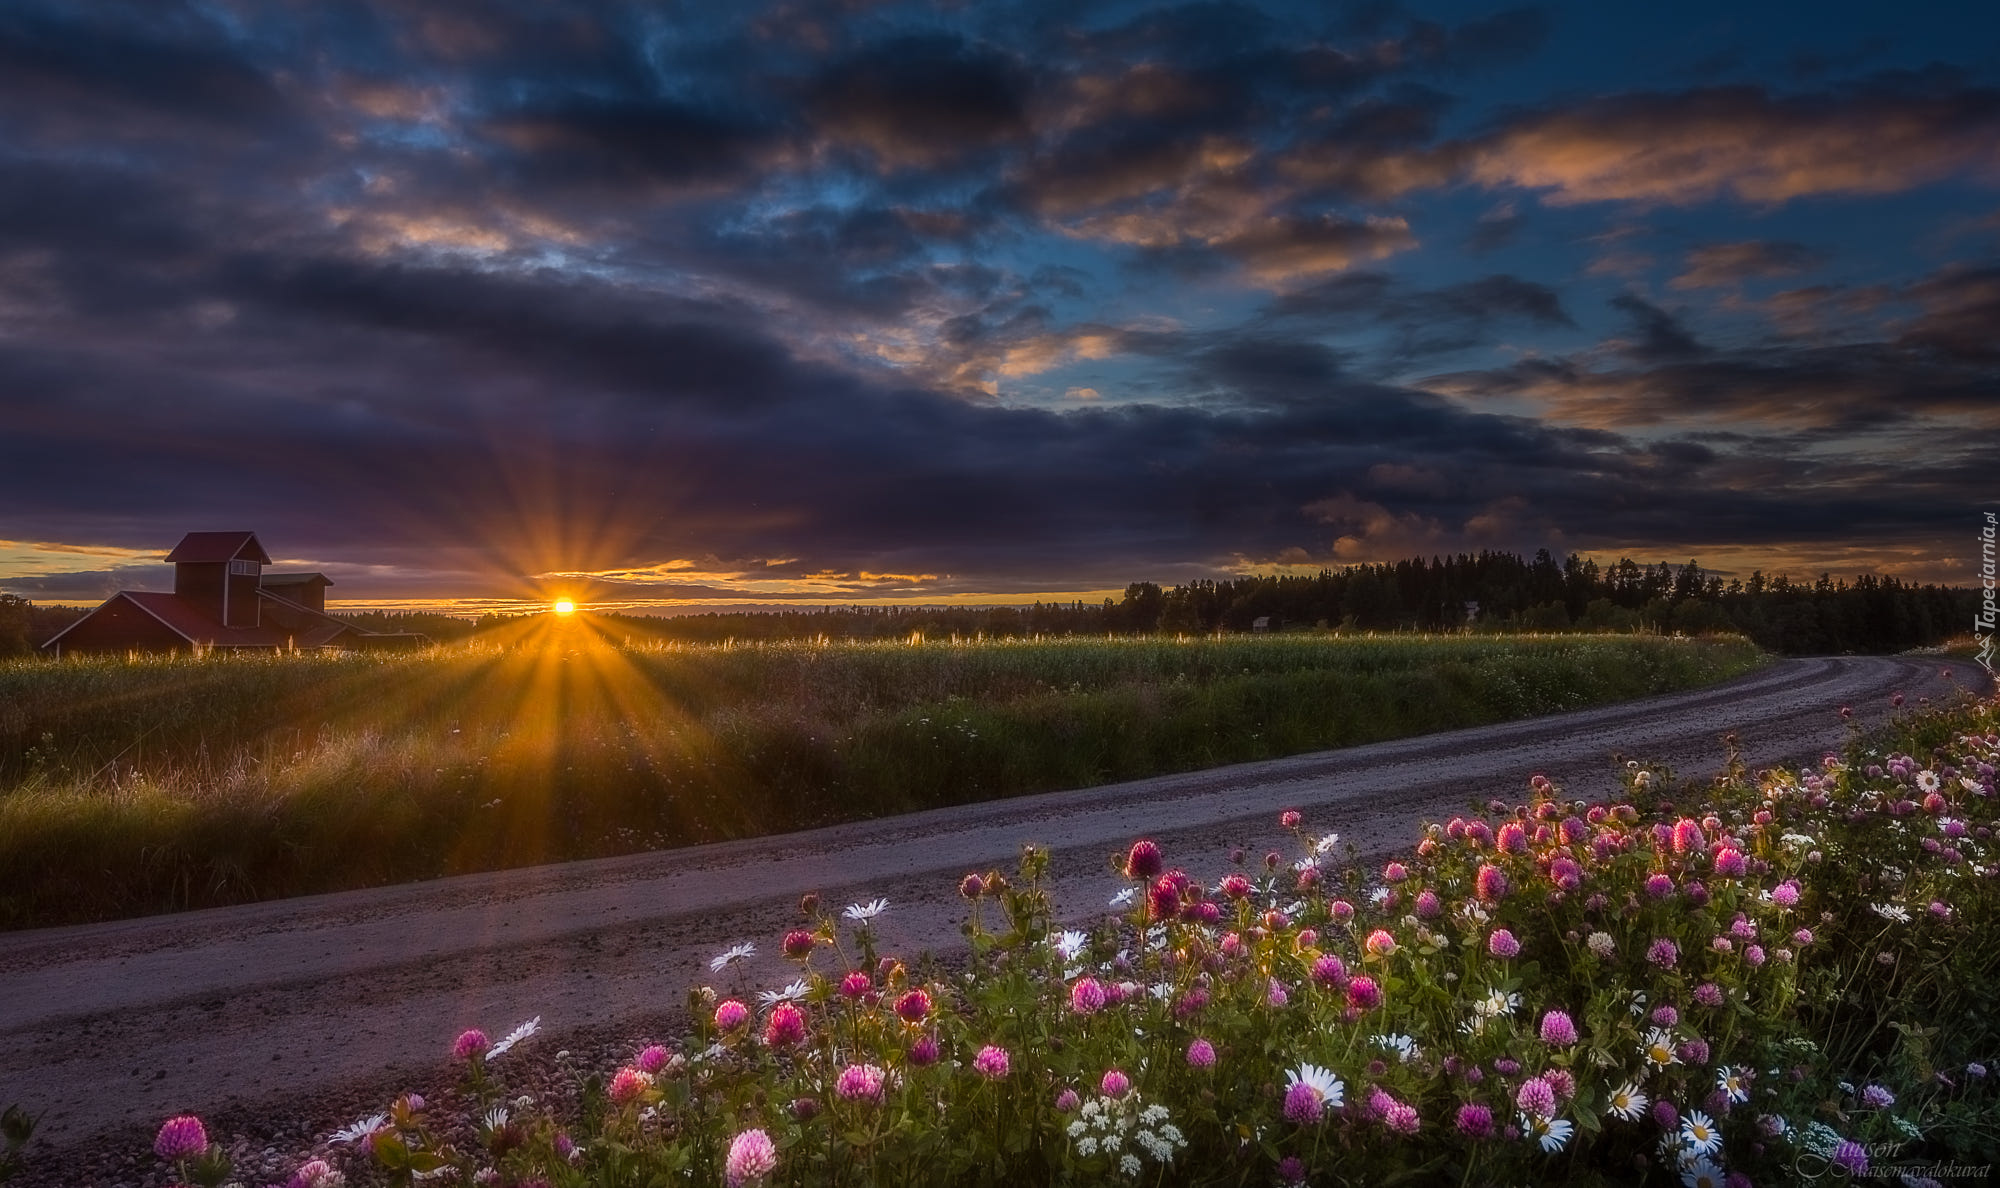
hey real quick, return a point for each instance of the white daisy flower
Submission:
(1405, 1047)
(1701, 1172)
(359, 1130)
(1698, 1133)
(1322, 1081)
(1068, 943)
(1326, 843)
(494, 1118)
(1927, 782)
(1733, 1082)
(736, 953)
(1552, 1133)
(791, 993)
(1124, 898)
(1380, 896)
(524, 1031)
(1497, 1004)
(861, 913)
(1627, 1102)
(1658, 1049)
(1891, 912)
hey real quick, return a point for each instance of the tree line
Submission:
(1490, 591)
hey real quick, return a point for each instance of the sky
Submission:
(679, 306)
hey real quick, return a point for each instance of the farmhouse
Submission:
(222, 599)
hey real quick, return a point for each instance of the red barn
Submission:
(222, 599)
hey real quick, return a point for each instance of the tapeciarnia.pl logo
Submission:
(1984, 623)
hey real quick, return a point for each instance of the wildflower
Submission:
(652, 1059)
(1663, 953)
(1659, 886)
(799, 943)
(1558, 1029)
(860, 1082)
(1511, 839)
(1730, 863)
(357, 1131)
(856, 985)
(1536, 1097)
(786, 1026)
(914, 1006)
(1404, 1046)
(1975, 1069)
(1274, 994)
(1875, 1097)
(1123, 898)
(1627, 1102)
(1129, 1164)
(1734, 1083)
(1665, 1116)
(1114, 1084)
(1890, 912)
(1658, 1048)
(924, 1052)
(1490, 883)
(1235, 886)
(862, 913)
(1144, 860)
(791, 993)
(1753, 954)
(1687, 837)
(1475, 1121)
(1428, 904)
(1163, 901)
(1066, 1101)
(1665, 1015)
(1201, 1054)
(1341, 910)
(1708, 994)
(1694, 1051)
(1289, 819)
(1701, 1172)
(1698, 1133)
(1803, 936)
(182, 1137)
(1497, 1004)
(316, 1173)
(1329, 971)
(1551, 1132)
(1309, 1091)
(732, 956)
(627, 1085)
(730, 1015)
(1363, 994)
(1851, 1155)
(752, 1156)
(1395, 872)
(1381, 943)
(470, 1043)
(991, 1063)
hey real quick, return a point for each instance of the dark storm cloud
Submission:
(604, 285)
(921, 100)
(1660, 336)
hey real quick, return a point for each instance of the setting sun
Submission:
(565, 607)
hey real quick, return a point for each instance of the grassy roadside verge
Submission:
(128, 788)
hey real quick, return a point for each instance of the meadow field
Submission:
(133, 786)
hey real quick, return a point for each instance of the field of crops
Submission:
(146, 785)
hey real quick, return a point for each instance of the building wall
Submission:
(118, 626)
(201, 586)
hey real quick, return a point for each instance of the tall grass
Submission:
(145, 785)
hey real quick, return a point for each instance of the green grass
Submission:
(137, 786)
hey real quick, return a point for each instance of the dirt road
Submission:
(273, 1007)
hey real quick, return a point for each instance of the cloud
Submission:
(1745, 143)
(921, 100)
(1726, 265)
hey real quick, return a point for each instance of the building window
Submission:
(244, 567)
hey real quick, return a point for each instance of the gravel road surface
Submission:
(285, 1017)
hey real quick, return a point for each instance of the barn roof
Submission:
(296, 579)
(200, 547)
(191, 624)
